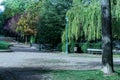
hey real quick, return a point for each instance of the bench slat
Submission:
(92, 51)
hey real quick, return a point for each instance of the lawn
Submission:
(81, 75)
(4, 45)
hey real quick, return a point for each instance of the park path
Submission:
(25, 62)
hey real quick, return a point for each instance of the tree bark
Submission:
(26, 39)
(107, 55)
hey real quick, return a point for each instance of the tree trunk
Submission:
(107, 55)
(25, 39)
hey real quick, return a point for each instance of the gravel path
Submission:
(25, 62)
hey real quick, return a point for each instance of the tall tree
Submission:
(84, 22)
(13, 10)
(107, 56)
(52, 20)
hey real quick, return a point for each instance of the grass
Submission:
(80, 75)
(4, 45)
(116, 55)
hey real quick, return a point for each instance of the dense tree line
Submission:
(43, 19)
(52, 20)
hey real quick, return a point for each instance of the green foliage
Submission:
(82, 75)
(116, 18)
(59, 47)
(82, 45)
(27, 25)
(17, 8)
(4, 45)
(1, 24)
(86, 45)
(64, 47)
(32, 39)
(14, 7)
(84, 21)
(52, 20)
(71, 47)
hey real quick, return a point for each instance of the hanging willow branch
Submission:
(85, 20)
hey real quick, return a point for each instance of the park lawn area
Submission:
(81, 75)
(4, 45)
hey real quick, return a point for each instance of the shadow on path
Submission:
(25, 74)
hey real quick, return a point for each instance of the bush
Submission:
(4, 45)
(59, 47)
(71, 47)
(86, 45)
(63, 47)
(82, 47)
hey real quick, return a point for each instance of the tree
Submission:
(107, 55)
(84, 18)
(13, 19)
(26, 26)
(52, 20)
(84, 22)
(10, 26)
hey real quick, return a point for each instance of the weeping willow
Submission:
(116, 18)
(84, 20)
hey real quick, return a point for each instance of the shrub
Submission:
(81, 46)
(70, 47)
(63, 47)
(4, 45)
(86, 45)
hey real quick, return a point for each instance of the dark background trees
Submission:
(47, 17)
(52, 21)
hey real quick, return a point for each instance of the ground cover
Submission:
(4, 45)
(80, 75)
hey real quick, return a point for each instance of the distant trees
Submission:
(13, 10)
(43, 18)
(18, 19)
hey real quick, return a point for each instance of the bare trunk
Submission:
(107, 56)
(25, 39)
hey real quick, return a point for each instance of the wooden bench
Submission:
(99, 51)
(116, 51)
(94, 51)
